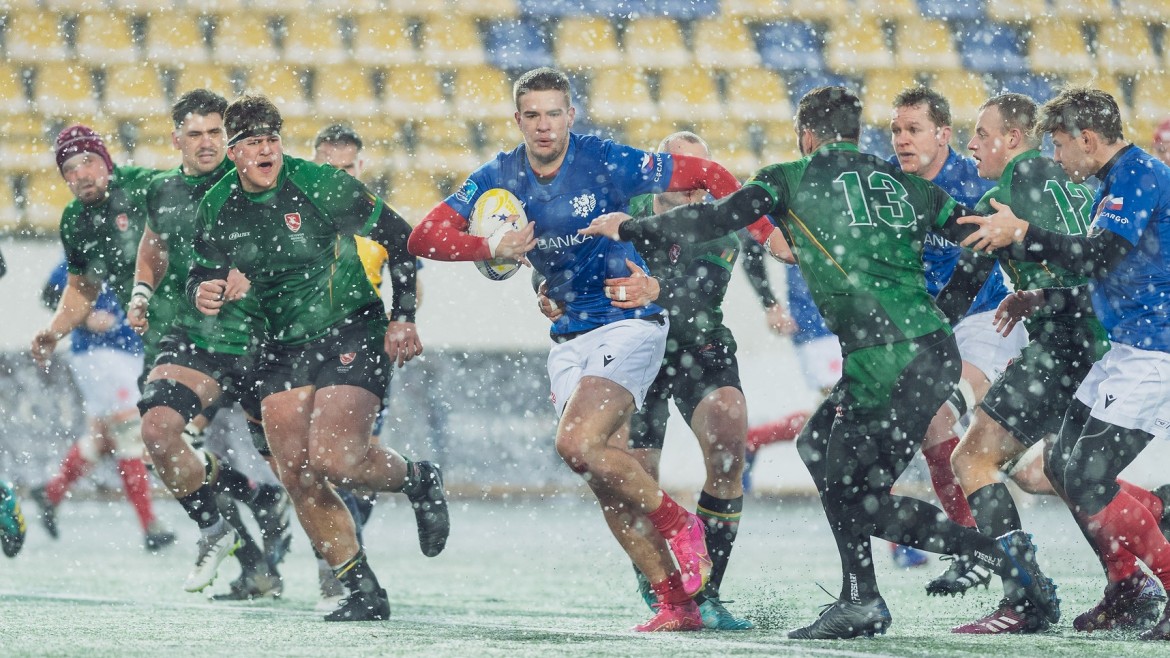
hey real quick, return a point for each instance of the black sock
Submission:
(235, 484)
(720, 524)
(994, 510)
(356, 574)
(249, 554)
(200, 506)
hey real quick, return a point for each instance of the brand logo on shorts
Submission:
(348, 358)
(673, 253)
(1161, 423)
(1109, 400)
(606, 360)
(122, 221)
(293, 221)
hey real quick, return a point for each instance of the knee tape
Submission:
(127, 438)
(962, 399)
(173, 395)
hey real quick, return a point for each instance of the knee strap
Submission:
(173, 395)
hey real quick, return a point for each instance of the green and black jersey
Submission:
(694, 278)
(101, 241)
(174, 203)
(295, 243)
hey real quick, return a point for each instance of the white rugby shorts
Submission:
(820, 361)
(628, 353)
(1130, 388)
(107, 379)
(983, 347)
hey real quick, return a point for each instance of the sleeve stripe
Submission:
(373, 218)
(945, 213)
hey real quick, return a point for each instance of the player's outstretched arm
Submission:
(74, 307)
(442, 235)
(703, 221)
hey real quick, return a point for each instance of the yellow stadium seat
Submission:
(1123, 46)
(45, 197)
(175, 37)
(155, 153)
(443, 146)
(134, 90)
(383, 39)
(1016, 11)
(730, 145)
(429, 9)
(244, 39)
(9, 215)
(499, 134)
(1154, 11)
(413, 91)
(586, 42)
(1058, 46)
(26, 144)
(1084, 10)
(879, 90)
(482, 92)
(345, 90)
(779, 142)
(105, 38)
(1151, 89)
(13, 99)
(413, 194)
(755, 10)
(492, 9)
(221, 6)
(1099, 79)
(859, 46)
(724, 42)
(313, 40)
(284, 85)
(966, 91)
(689, 94)
(65, 89)
(353, 7)
(758, 95)
(221, 79)
(656, 43)
(62, 7)
(926, 45)
(451, 42)
(35, 36)
(818, 10)
(617, 95)
(899, 10)
(297, 135)
(646, 134)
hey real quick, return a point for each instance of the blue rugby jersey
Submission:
(120, 337)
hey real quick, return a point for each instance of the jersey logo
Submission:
(348, 358)
(584, 204)
(293, 221)
(1114, 203)
(467, 191)
(122, 221)
(647, 163)
(674, 252)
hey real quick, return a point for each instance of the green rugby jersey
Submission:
(857, 225)
(295, 243)
(696, 312)
(174, 202)
(101, 241)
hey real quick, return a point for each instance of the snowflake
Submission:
(583, 205)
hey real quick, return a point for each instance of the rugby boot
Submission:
(962, 574)
(12, 524)
(1008, 617)
(253, 585)
(1161, 630)
(430, 508)
(48, 510)
(1026, 576)
(158, 537)
(908, 558)
(673, 617)
(690, 551)
(717, 618)
(273, 511)
(1130, 603)
(213, 550)
(362, 606)
(842, 620)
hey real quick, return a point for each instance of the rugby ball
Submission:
(497, 210)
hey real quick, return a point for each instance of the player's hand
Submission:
(552, 309)
(513, 243)
(778, 247)
(238, 285)
(43, 345)
(1015, 308)
(210, 296)
(606, 225)
(634, 291)
(136, 314)
(779, 321)
(997, 230)
(402, 342)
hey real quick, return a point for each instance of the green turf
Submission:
(519, 578)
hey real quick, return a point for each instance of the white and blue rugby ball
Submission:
(497, 210)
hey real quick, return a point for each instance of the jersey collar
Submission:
(837, 146)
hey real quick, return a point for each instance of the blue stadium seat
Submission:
(788, 46)
(876, 140)
(560, 8)
(991, 48)
(1030, 84)
(800, 84)
(682, 9)
(954, 10)
(516, 44)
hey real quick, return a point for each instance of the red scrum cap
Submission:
(81, 139)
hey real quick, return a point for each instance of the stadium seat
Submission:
(583, 42)
(411, 92)
(221, 79)
(154, 153)
(297, 134)
(800, 84)
(859, 46)
(1150, 91)
(788, 46)
(1058, 46)
(953, 10)
(823, 11)
(284, 84)
(757, 95)
(895, 10)
(383, 39)
(175, 37)
(1016, 11)
(517, 45)
(965, 90)
(35, 36)
(9, 214)
(1038, 87)
(1084, 10)
(1100, 79)
(442, 146)
(65, 89)
(73, 7)
(134, 90)
(105, 39)
(646, 133)
(991, 47)
(45, 197)
(655, 43)
(925, 45)
(731, 145)
(27, 144)
(756, 10)
(618, 95)
(451, 42)
(345, 90)
(485, 9)
(878, 92)
(413, 195)
(1123, 46)
(724, 42)
(313, 40)
(348, 7)
(689, 95)
(498, 134)
(232, 47)
(1152, 11)
(482, 92)
(13, 97)
(684, 10)
(778, 142)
